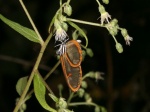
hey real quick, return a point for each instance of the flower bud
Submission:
(60, 87)
(106, 1)
(64, 26)
(101, 9)
(113, 31)
(61, 18)
(62, 103)
(57, 24)
(114, 22)
(81, 92)
(24, 106)
(98, 75)
(68, 10)
(84, 84)
(83, 54)
(89, 52)
(124, 32)
(87, 97)
(119, 47)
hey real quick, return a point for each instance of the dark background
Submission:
(126, 85)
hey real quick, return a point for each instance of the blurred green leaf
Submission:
(97, 109)
(21, 84)
(103, 109)
(26, 32)
(40, 90)
(89, 52)
(75, 35)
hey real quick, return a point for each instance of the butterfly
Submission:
(71, 57)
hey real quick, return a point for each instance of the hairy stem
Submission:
(82, 103)
(35, 68)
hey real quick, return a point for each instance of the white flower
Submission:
(98, 76)
(61, 50)
(105, 17)
(60, 34)
(128, 39)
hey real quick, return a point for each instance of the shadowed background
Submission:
(126, 85)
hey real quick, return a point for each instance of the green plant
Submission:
(60, 24)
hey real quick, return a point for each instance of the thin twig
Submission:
(23, 62)
(85, 22)
(35, 68)
(48, 88)
(48, 74)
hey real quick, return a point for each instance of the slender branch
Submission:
(29, 81)
(48, 74)
(35, 68)
(53, 69)
(114, 39)
(85, 22)
(48, 88)
(85, 76)
(82, 103)
(22, 62)
(98, 2)
(70, 97)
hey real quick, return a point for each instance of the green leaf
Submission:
(97, 109)
(21, 84)
(89, 52)
(26, 32)
(40, 90)
(80, 30)
(75, 35)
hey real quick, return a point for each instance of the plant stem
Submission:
(98, 2)
(53, 20)
(48, 74)
(29, 81)
(35, 68)
(85, 76)
(85, 22)
(70, 97)
(114, 39)
(48, 88)
(82, 103)
(56, 65)
(31, 21)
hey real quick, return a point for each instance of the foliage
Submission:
(59, 27)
